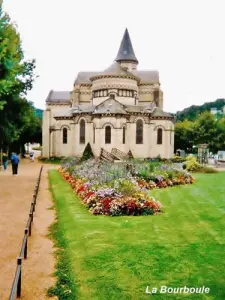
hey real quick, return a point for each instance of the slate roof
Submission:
(83, 108)
(126, 51)
(112, 106)
(84, 77)
(160, 113)
(147, 76)
(58, 97)
(144, 76)
(68, 113)
(115, 70)
(140, 108)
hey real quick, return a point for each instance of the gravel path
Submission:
(15, 199)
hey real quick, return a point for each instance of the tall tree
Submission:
(205, 128)
(184, 135)
(16, 78)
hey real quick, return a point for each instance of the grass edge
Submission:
(65, 287)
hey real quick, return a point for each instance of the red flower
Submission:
(81, 189)
(106, 202)
(89, 194)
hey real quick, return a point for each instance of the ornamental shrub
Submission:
(126, 187)
(130, 154)
(192, 164)
(178, 159)
(87, 154)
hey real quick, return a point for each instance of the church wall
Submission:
(116, 134)
(45, 132)
(126, 100)
(85, 94)
(166, 150)
(78, 148)
(123, 100)
(55, 110)
(121, 83)
(149, 148)
(161, 99)
(75, 95)
(146, 93)
(138, 150)
(48, 139)
(145, 98)
(129, 65)
(97, 101)
(59, 148)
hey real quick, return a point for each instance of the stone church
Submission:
(118, 108)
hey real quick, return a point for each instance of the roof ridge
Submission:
(113, 100)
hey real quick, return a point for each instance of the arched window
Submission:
(64, 136)
(124, 135)
(107, 135)
(82, 131)
(159, 136)
(139, 132)
(93, 134)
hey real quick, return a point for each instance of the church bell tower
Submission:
(126, 57)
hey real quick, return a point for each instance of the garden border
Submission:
(17, 282)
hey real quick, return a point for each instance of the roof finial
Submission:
(126, 52)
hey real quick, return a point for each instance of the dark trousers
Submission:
(14, 169)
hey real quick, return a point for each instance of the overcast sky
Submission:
(182, 39)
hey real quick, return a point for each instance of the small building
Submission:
(120, 107)
(218, 113)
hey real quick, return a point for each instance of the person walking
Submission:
(32, 156)
(15, 162)
(216, 160)
(5, 161)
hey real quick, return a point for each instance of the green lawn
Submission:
(117, 257)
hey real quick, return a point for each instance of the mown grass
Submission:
(117, 257)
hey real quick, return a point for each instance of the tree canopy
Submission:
(18, 122)
(192, 112)
(206, 129)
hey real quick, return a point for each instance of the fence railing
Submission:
(16, 287)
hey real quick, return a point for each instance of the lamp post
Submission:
(202, 153)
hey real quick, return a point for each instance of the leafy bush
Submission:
(125, 187)
(178, 159)
(190, 157)
(192, 164)
(130, 155)
(87, 154)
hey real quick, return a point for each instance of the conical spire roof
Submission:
(126, 51)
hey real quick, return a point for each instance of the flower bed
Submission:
(161, 176)
(121, 189)
(110, 201)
